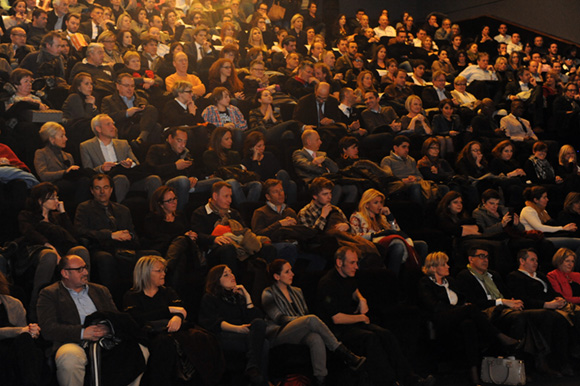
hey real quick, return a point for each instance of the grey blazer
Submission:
(304, 167)
(16, 317)
(92, 156)
(48, 167)
(58, 316)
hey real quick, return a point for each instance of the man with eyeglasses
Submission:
(63, 308)
(135, 118)
(17, 49)
(566, 111)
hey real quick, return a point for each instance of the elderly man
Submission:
(57, 17)
(173, 163)
(63, 309)
(15, 51)
(134, 116)
(106, 154)
(310, 163)
(101, 74)
(482, 71)
(181, 63)
(384, 29)
(47, 61)
(345, 311)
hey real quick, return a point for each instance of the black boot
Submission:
(350, 358)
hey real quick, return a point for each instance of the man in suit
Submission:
(310, 163)
(106, 154)
(303, 83)
(199, 50)
(527, 90)
(433, 95)
(57, 17)
(62, 310)
(92, 28)
(173, 163)
(344, 63)
(397, 93)
(36, 30)
(288, 47)
(17, 49)
(47, 61)
(134, 116)
(101, 74)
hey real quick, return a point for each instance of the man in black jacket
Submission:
(172, 162)
(47, 61)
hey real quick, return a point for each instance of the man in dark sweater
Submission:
(172, 162)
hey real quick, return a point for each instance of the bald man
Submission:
(17, 49)
(181, 63)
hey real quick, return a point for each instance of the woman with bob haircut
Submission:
(563, 279)
(228, 311)
(568, 168)
(571, 210)
(454, 319)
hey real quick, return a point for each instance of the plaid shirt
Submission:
(310, 216)
(212, 115)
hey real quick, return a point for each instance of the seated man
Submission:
(396, 93)
(181, 63)
(527, 90)
(17, 49)
(517, 128)
(199, 50)
(310, 163)
(433, 95)
(149, 58)
(377, 118)
(63, 308)
(93, 64)
(208, 222)
(93, 27)
(344, 309)
(135, 117)
(482, 71)
(173, 163)
(47, 61)
(566, 112)
(303, 83)
(37, 28)
(400, 164)
(106, 154)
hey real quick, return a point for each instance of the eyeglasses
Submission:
(188, 91)
(461, 84)
(172, 199)
(78, 269)
(127, 85)
(482, 256)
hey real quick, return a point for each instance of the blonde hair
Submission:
(563, 150)
(561, 255)
(410, 99)
(142, 271)
(50, 130)
(378, 223)
(434, 260)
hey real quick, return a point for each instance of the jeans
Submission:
(10, 173)
(254, 344)
(122, 186)
(289, 186)
(182, 188)
(311, 331)
(253, 188)
(347, 193)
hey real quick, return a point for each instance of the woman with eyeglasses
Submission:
(223, 74)
(112, 54)
(49, 234)
(359, 65)
(159, 311)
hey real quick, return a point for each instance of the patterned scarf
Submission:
(298, 306)
(488, 283)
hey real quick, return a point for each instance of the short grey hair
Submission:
(142, 271)
(93, 47)
(181, 86)
(50, 130)
(96, 121)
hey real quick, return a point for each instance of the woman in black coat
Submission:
(453, 318)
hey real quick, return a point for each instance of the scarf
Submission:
(298, 306)
(223, 213)
(543, 169)
(542, 213)
(488, 283)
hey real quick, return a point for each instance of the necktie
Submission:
(349, 109)
(201, 53)
(320, 113)
(522, 124)
(112, 220)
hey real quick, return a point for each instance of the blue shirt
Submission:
(83, 302)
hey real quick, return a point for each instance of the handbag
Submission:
(276, 12)
(503, 371)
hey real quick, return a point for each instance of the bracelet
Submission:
(249, 304)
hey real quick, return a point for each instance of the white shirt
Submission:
(503, 38)
(389, 31)
(453, 298)
(95, 30)
(108, 151)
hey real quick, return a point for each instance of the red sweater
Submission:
(6, 152)
(560, 281)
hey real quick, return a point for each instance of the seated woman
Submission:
(472, 164)
(222, 113)
(465, 99)
(159, 310)
(415, 123)
(112, 53)
(268, 121)
(376, 223)
(222, 73)
(22, 360)
(22, 79)
(443, 64)
(80, 104)
(535, 217)
(538, 168)
(266, 165)
(220, 155)
(511, 177)
(563, 279)
(55, 165)
(286, 307)
(358, 66)
(46, 226)
(447, 127)
(365, 82)
(172, 25)
(227, 310)
(568, 168)
(418, 73)
(379, 65)
(571, 211)
(454, 319)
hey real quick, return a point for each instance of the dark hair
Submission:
(320, 183)
(275, 267)
(252, 140)
(346, 142)
(98, 177)
(212, 281)
(288, 39)
(498, 149)
(428, 143)
(42, 193)
(4, 285)
(490, 194)
(157, 198)
(173, 130)
(477, 247)
(74, 88)
(37, 12)
(534, 193)
(465, 153)
(539, 146)
(443, 206)
(121, 34)
(218, 94)
(215, 142)
(270, 183)
(524, 253)
(122, 76)
(571, 199)
(340, 253)
(218, 186)
(444, 102)
(18, 74)
(400, 139)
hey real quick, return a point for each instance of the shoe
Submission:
(350, 358)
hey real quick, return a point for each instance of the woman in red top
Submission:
(563, 279)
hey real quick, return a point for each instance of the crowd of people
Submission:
(191, 157)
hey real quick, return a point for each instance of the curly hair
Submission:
(233, 83)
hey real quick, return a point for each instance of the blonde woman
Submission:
(454, 319)
(376, 223)
(568, 168)
(112, 55)
(415, 122)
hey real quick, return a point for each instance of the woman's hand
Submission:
(559, 180)
(192, 235)
(243, 329)
(385, 210)
(90, 99)
(178, 310)
(506, 219)
(174, 324)
(239, 95)
(33, 329)
(572, 227)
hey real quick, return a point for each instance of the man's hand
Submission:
(126, 163)
(555, 304)
(517, 305)
(395, 126)
(181, 164)
(319, 160)
(174, 324)
(326, 121)
(222, 240)
(95, 333)
(355, 125)
(244, 329)
(191, 107)
(343, 227)
(133, 110)
(192, 182)
(363, 306)
(191, 234)
(288, 221)
(107, 166)
(533, 81)
(325, 210)
(409, 180)
(71, 168)
(123, 235)
(362, 132)
(365, 319)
